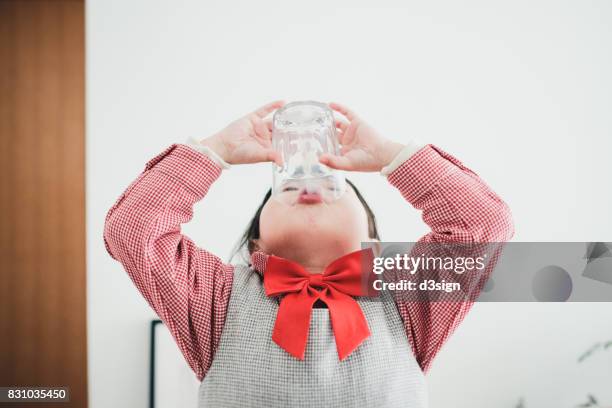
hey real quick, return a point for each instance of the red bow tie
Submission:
(341, 279)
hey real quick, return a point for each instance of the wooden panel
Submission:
(42, 196)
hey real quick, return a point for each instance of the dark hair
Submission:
(252, 232)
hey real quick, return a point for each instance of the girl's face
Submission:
(310, 230)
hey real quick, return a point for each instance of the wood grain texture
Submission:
(42, 196)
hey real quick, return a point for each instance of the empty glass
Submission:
(302, 131)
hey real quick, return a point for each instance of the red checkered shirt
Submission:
(189, 287)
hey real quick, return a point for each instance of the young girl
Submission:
(287, 330)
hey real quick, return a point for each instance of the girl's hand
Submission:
(248, 139)
(363, 149)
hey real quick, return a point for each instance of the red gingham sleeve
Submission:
(459, 208)
(187, 286)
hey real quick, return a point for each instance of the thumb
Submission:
(336, 162)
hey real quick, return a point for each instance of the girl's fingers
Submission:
(346, 112)
(341, 137)
(274, 157)
(342, 127)
(262, 129)
(336, 162)
(341, 124)
(267, 109)
(269, 124)
(347, 137)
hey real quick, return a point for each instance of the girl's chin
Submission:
(314, 247)
(316, 236)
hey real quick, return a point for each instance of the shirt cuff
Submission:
(194, 144)
(419, 174)
(195, 171)
(407, 152)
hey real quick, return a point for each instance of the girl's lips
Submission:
(310, 198)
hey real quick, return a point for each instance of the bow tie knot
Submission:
(341, 279)
(316, 280)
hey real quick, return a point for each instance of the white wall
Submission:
(520, 91)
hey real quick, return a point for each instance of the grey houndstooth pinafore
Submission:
(250, 370)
